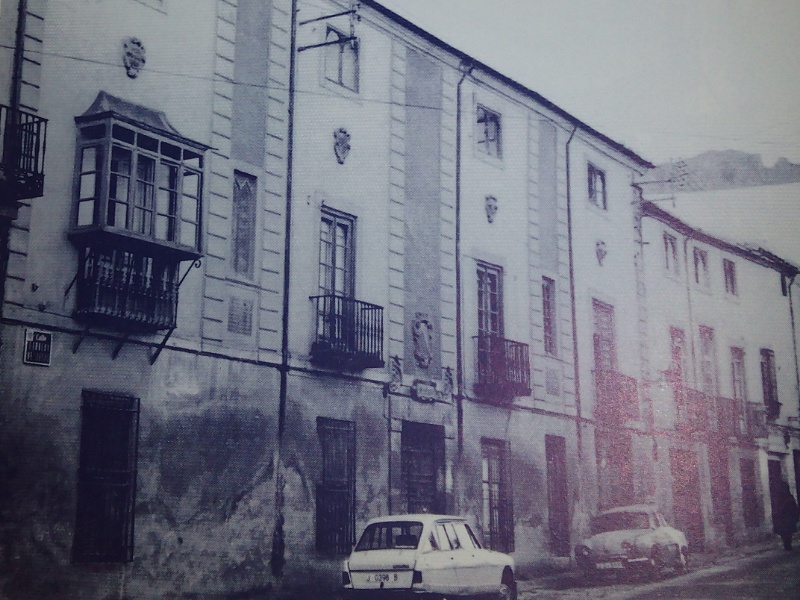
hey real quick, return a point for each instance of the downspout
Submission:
(10, 144)
(794, 340)
(466, 69)
(690, 332)
(573, 305)
(277, 557)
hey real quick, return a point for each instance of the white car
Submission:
(631, 537)
(425, 554)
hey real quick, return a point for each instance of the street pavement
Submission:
(752, 573)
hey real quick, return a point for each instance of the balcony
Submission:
(502, 368)
(349, 334)
(126, 290)
(692, 415)
(616, 397)
(756, 421)
(729, 417)
(22, 144)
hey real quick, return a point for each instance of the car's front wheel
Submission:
(508, 586)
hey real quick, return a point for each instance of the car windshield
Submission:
(391, 534)
(619, 521)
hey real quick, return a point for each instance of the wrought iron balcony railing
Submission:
(126, 290)
(616, 397)
(349, 333)
(22, 145)
(502, 368)
(756, 421)
(729, 416)
(693, 413)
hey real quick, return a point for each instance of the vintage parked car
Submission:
(425, 555)
(631, 537)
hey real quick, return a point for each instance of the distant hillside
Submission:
(718, 170)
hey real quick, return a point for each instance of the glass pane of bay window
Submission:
(145, 192)
(167, 202)
(189, 208)
(87, 190)
(119, 183)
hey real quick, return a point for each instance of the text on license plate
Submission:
(614, 564)
(382, 577)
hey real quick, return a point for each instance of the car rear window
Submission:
(620, 521)
(392, 534)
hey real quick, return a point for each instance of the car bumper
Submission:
(613, 563)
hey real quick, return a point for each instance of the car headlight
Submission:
(582, 550)
(627, 547)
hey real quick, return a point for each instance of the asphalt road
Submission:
(773, 575)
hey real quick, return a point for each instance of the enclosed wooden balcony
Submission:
(22, 146)
(349, 333)
(502, 368)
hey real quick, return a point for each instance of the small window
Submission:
(729, 271)
(700, 267)
(244, 224)
(341, 60)
(549, 315)
(488, 133)
(106, 479)
(597, 186)
(670, 253)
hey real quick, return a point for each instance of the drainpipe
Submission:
(794, 339)
(573, 307)
(10, 144)
(277, 558)
(466, 70)
(690, 333)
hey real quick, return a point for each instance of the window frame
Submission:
(729, 276)
(700, 262)
(671, 263)
(106, 478)
(769, 382)
(709, 371)
(345, 486)
(595, 174)
(484, 119)
(549, 317)
(244, 225)
(497, 504)
(328, 55)
(326, 283)
(484, 297)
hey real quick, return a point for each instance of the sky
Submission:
(668, 78)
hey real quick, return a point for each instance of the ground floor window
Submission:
(750, 505)
(498, 514)
(422, 455)
(337, 491)
(106, 478)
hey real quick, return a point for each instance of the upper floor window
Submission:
(337, 254)
(597, 186)
(341, 59)
(769, 383)
(729, 271)
(490, 300)
(670, 253)
(700, 267)
(549, 315)
(708, 361)
(144, 181)
(488, 132)
(244, 224)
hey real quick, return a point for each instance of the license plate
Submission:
(382, 577)
(614, 564)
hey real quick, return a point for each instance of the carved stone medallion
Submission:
(491, 208)
(341, 144)
(133, 56)
(600, 251)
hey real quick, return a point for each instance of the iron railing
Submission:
(729, 416)
(335, 520)
(693, 413)
(502, 368)
(349, 333)
(127, 289)
(756, 420)
(616, 397)
(22, 145)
